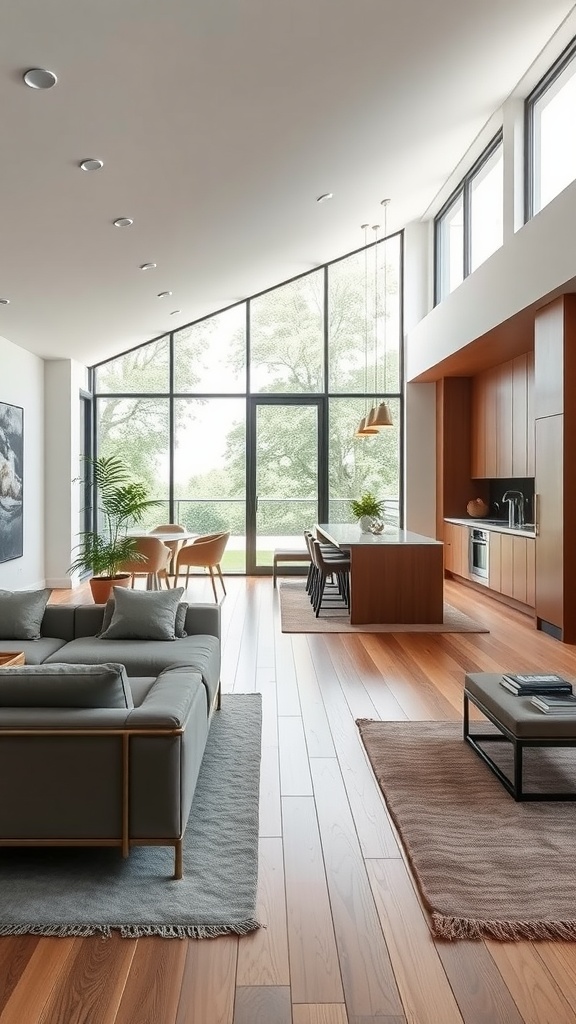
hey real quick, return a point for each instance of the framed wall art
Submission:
(11, 481)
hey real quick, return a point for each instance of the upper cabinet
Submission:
(502, 434)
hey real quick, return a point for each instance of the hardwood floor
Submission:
(346, 941)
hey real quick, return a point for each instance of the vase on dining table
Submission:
(365, 524)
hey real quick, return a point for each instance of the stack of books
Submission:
(534, 683)
(555, 704)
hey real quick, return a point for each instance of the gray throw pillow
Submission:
(65, 686)
(143, 614)
(21, 613)
(178, 624)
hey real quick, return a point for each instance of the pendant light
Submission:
(363, 430)
(380, 415)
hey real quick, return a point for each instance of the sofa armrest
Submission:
(168, 703)
(203, 618)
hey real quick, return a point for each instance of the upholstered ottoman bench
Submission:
(282, 555)
(518, 722)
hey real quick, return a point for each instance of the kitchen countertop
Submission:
(496, 525)
(346, 535)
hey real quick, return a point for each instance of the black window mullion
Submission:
(467, 228)
(171, 429)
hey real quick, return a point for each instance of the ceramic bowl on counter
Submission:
(477, 508)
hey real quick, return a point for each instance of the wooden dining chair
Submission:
(205, 552)
(174, 545)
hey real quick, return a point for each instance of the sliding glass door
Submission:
(284, 474)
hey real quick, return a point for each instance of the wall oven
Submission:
(478, 556)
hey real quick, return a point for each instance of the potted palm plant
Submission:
(121, 503)
(366, 510)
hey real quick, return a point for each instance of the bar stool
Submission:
(340, 567)
(330, 551)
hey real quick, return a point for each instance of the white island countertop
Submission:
(347, 535)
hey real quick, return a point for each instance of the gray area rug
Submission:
(485, 865)
(84, 891)
(297, 616)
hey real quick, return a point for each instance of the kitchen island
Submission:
(395, 576)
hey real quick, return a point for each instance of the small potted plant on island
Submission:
(121, 503)
(368, 511)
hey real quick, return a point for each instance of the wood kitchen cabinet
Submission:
(555, 412)
(502, 428)
(511, 570)
(456, 542)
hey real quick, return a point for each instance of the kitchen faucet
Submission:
(515, 500)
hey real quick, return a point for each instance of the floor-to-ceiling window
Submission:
(246, 419)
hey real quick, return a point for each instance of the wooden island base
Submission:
(397, 576)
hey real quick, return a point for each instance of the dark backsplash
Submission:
(499, 509)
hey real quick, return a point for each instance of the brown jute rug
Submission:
(484, 864)
(297, 616)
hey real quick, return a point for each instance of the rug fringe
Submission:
(193, 931)
(444, 927)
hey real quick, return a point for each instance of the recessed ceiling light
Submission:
(39, 78)
(5, 302)
(324, 197)
(92, 164)
(123, 222)
(148, 266)
(174, 311)
(162, 295)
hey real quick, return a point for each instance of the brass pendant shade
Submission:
(364, 430)
(380, 416)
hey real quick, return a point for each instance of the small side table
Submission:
(9, 659)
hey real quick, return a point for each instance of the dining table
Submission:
(396, 576)
(163, 534)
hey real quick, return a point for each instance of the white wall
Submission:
(22, 383)
(420, 399)
(531, 265)
(63, 380)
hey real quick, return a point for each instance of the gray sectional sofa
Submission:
(108, 774)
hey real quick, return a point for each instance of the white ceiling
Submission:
(219, 123)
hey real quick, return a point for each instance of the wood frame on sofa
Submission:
(124, 841)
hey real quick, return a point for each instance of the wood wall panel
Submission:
(530, 471)
(504, 419)
(569, 479)
(492, 411)
(520, 416)
(478, 427)
(549, 360)
(453, 425)
(549, 546)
